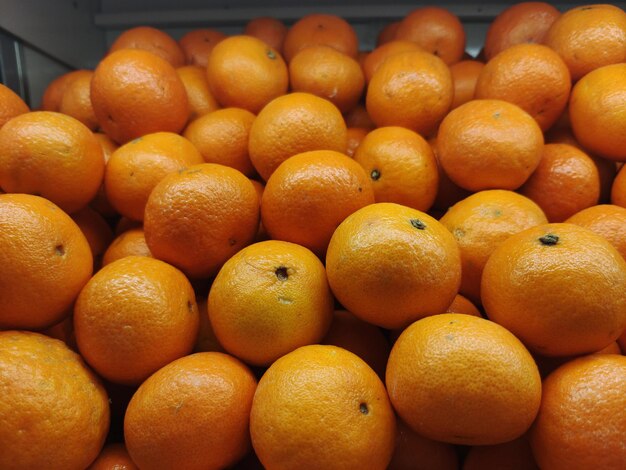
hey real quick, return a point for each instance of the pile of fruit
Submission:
(271, 250)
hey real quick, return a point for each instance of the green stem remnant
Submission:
(549, 239)
(418, 224)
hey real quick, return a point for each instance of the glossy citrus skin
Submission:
(244, 72)
(525, 22)
(54, 410)
(198, 44)
(198, 218)
(435, 30)
(151, 40)
(532, 76)
(582, 415)
(435, 388)
(597, 114)
(322, 407)
(201, 101)
(134, 316)
(46, 260)
(129, 243)
(113, 457)
(194, 412)
(11, 104)
(412, 90)
(462, 304)
(328, 73)
(607, 220)
(304, 185)
(533, 285)
(269, 299)
(464, 76)
(271, 31)
(51, 155)
(134, 92)
(390, 265)
(291, 124)
(76, 100)
(489, 144)
(401, 166)
(565, 182)
(51, 99)
(222, 137)
(374, 59)
(321, 29)
(134, 169)
(481, 222)
(588, 37)
(100, 202)
(355, 137)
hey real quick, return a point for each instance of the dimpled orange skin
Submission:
(390, 265)
(489, 144)
(198, 218)
(464, 76)
(464, 380)
(291, 124)
(322, 407)
(76, 100)
(582, 417)
(152, 40)
(197, 45)
(113, 457)
(269, 299)
(201, 101)
(51, 155)
(46, 261)
(11, 104)
(295, 201)
(606, 220)
(564, 298)
(129, 243)
(134, 92)
(375, 58)
(134, 316)
(54, 410)
(244, 72)
(412, 90)
(193, 414)
(597, 112)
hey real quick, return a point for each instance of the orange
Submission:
(97, 231)
(480, 223)
(100, 202)
(435, 30)
(197, 45)
(489, 144)
(448, 193)
(597, 114)
(363, 339)
(461, 304)
(135, 92)
(206, 340)
(374, 60)
(113, 457)
(51, 99)
(582, 415)
(358, 117)
(152, 40)
(271, 31)
(197, 218)
(134, 316)
(522, 23)
(64, 330)
(515, 454)
(412, 90)
(295, 205)
(124, 224)
(355, 137)
(268, 299)
(54, 410)
(324, 71)
(387, 33)
(445, 398)
(201, 101)
(321, 29)
(193, 414)
(129, 243)
(390, 265)
(322, 407)
(11, 104)
(618, 190)
(401, 166)
(222, 137)
(606, 220)
(135, 168)
(414, 452)
(46, 261)
(291, 124)
(464, 77)
(532, 76)
(557, 287)
(76, 100)
(244, 72)
(565, 182)
(50, 155)
(588, 37)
